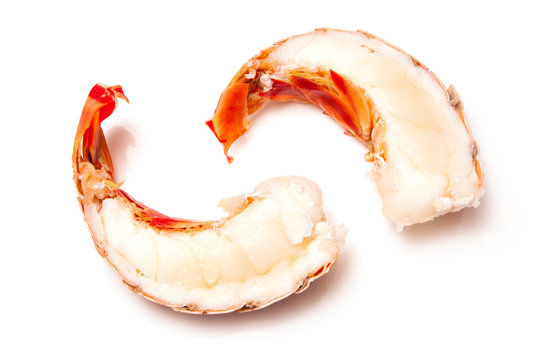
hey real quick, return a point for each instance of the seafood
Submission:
(425, 160)
(274, 242)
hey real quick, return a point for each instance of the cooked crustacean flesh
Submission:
(423, 154)
(273, 243)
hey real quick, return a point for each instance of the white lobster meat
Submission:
(424, 157)
(273, 243)
(276, 240)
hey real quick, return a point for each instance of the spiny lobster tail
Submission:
(419, 143)
(249, 260)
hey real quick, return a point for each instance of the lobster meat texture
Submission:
(273, 243)
(424, 157)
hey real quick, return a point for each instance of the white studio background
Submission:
(465, 286)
